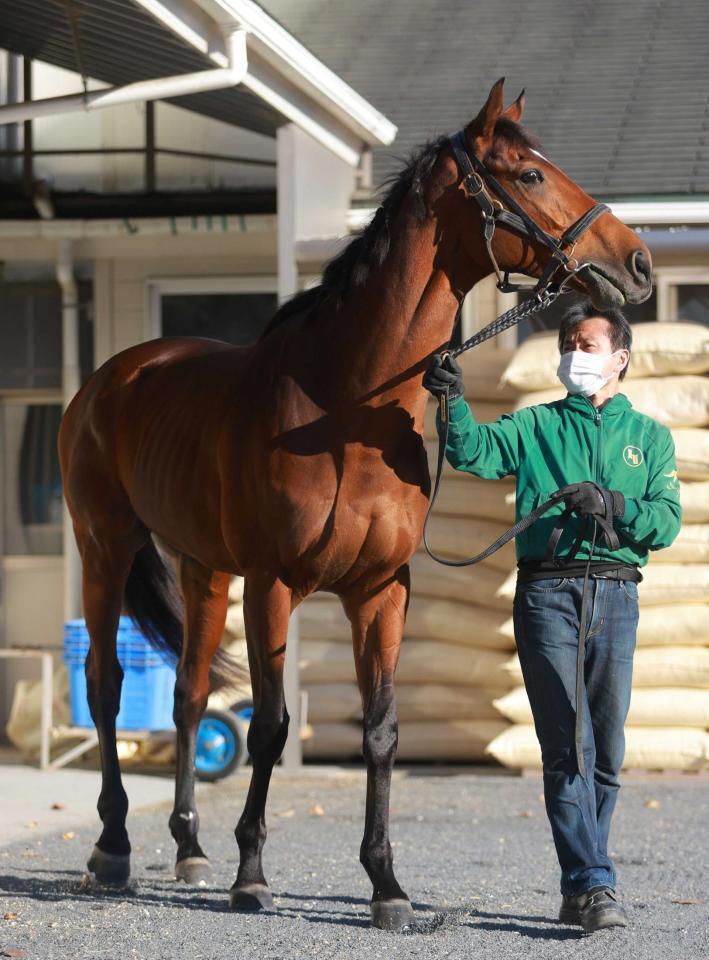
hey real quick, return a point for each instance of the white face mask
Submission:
(580, 372)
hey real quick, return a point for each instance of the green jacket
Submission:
(552, 444)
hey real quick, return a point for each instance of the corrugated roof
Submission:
(617, 92)
(120, 43)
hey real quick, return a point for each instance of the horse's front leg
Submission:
(205, 593)
(377, 618)
(267, 608)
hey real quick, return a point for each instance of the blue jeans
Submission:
(546, 620)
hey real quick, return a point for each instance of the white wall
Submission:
(124, 126)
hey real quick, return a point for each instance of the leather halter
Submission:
(476, 178)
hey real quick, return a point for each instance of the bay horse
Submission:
(299, 464)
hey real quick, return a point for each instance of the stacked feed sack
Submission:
(458, 634)
(669, 713)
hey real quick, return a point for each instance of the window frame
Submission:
(157, 287)
(667, 280)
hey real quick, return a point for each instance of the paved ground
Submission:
(473, 852)
(40, 801)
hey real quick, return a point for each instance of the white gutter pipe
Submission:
(160, 88)
(71, 381)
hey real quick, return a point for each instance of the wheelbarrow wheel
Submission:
(221, 745)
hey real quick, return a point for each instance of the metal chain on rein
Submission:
(510, 318)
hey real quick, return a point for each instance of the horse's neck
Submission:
(382, 335)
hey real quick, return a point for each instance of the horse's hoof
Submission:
(193, 870)
(251, 898)
(391, 914)
(110, 868)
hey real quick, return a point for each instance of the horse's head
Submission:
(619, 268)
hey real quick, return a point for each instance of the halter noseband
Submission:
(476, 177)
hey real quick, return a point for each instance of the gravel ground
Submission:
(473, 852)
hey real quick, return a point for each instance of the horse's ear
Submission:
(516, 109)
(483, 126)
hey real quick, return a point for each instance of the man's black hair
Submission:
(621, 336)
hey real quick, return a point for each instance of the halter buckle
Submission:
(476, 179)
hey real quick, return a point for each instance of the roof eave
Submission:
(274, 52)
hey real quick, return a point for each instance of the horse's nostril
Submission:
(640, 267)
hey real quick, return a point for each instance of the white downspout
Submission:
(71, 381)
(160, 88)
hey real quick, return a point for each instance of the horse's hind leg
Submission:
(267, 607)
(206, 597)
(377, 618)
(106, 564)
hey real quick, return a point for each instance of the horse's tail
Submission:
(153, 600)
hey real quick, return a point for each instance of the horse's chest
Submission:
(350, 517)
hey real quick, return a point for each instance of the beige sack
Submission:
(695, 502)
(324, 620)
(663, 583)
(678, 402)
(482, 372)
(234, 625)
(455, 622)
(460, 537)
(236, 589)
(464, 495)
(23, 725)
(646, 748)
(653, 667)
(682, 624)
(461, 741)
(692, 453)
(340, 702)
(421, 661)
(690, 546)
(649, 707)
(659, 350)
(673, 583)
(477, 585)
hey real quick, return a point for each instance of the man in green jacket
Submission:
(620, 466)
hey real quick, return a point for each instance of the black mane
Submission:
(368, 249)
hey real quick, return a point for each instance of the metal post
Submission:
(71, 381)
(47, 697)
(292, 758)
(150, 180)
(287, 285)
(27, 144)
(10, 132)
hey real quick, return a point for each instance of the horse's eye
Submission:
(532, 176)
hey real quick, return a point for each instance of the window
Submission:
(693, 302)
(235, 309)
(31, 335)
(30, 478)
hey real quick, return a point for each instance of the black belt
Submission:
(531, 570)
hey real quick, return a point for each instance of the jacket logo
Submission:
(672, 480)
(633, 456)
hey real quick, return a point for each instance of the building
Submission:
(193, 202)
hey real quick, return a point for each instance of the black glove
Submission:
(442, 373)
(590, 499)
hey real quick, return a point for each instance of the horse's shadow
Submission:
(429, 920)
